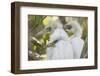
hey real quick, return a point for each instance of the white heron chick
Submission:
(76, 40)
(62, 48)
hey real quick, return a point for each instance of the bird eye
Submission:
(49, 28)
(69, 26)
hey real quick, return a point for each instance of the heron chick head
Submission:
(53, 24)
(73, 26)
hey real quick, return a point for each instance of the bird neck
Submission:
(77, 34)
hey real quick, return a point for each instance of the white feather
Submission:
(63, 48)
(76, 40)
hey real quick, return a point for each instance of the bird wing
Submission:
(77, 45)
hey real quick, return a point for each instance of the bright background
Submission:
(5, 41)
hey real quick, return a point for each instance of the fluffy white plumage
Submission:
(63, 48)
(77, 44)
(76, 40)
